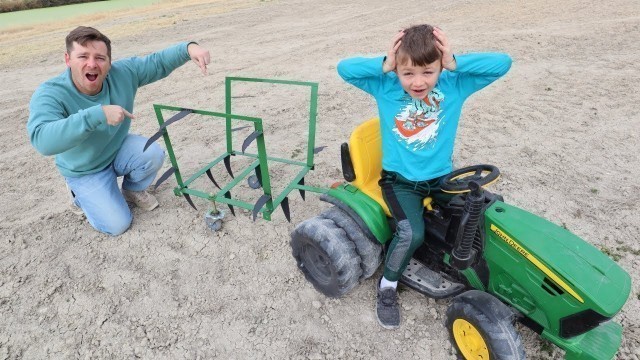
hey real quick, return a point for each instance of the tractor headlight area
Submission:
(580, 323)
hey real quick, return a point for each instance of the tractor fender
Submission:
(342, 206)
(366, 212)
(488, 304)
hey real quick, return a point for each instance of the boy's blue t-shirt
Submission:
(72, 126)
(418, 135)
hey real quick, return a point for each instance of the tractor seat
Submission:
(365, 148)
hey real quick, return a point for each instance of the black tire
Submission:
(370, 250)
(492, 319)
(253, 182)
(326, 256)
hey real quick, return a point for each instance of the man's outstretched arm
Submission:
(159, 65)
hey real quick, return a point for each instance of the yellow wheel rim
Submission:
(469, 340)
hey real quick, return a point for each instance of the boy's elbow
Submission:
(507, 61)
(342, 69)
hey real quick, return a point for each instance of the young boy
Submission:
(419, 88)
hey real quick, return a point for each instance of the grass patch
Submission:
(295, 153)
(610, 253)
(628, 249)
(547, 347)
(17, 5)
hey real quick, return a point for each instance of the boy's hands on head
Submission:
(389, 63)
(442, 43)
(200, 56)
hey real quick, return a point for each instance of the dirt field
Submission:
(562, 127)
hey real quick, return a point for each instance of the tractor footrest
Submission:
(600, 343)
(428, 282)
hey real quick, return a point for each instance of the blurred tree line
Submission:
(15, 5)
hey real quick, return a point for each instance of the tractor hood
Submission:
(576, 266)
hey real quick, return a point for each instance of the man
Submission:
(83, 115)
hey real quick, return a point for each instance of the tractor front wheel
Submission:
(481, 328)
(326, 256)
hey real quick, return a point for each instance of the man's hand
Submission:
(442, 43)
(389, 63)
(115, 114)
(200, 56)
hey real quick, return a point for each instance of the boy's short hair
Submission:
(84, 34)
(418, 46)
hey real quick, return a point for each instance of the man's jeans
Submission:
(98, 194)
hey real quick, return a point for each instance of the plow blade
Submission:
(173, 119)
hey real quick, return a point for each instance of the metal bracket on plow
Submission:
(259, 174)
(301, 182)
(188, 198)
(173, 119)
(285, 208)
(250, 139)
(228, 196)
(212, 179)
(165, 176)
(259, 204)
(227, 164)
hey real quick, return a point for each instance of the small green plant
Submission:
(295, 153)
(628, 249)
(546, 347)
(594, 190)
(610, 253)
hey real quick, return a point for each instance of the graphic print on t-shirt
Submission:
(418, 121)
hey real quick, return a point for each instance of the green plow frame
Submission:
(268, 201)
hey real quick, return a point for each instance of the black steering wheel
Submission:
(458, 181)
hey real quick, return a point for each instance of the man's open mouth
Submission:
(92, 77)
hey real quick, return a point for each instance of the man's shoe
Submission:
(387, 308)
(141, 199)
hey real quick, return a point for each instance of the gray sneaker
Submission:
(387, 308)
(141, 199)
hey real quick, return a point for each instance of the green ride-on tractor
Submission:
(498, 262)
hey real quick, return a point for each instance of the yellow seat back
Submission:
(365, 147)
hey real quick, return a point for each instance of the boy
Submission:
(419, 87)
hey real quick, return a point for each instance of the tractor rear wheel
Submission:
(369, 249)
(326, 256)
(481, 328)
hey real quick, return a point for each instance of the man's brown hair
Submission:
(418, 46)
(84, 34)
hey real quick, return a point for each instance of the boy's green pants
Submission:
(404, 199)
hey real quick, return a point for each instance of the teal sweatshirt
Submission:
(418, 135)
(73, 127)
